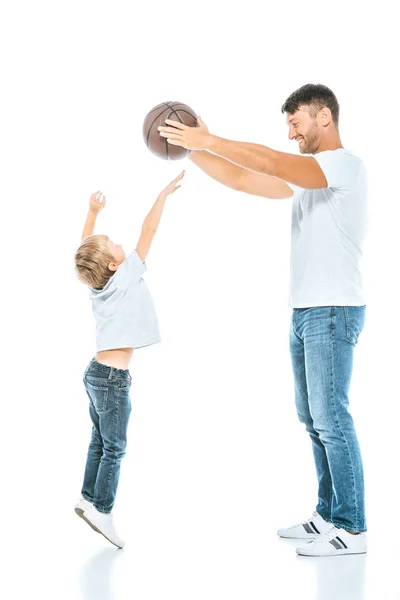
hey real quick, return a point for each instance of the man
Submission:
(329, 218)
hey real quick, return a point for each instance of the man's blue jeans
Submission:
(322, 342)
(110, 408)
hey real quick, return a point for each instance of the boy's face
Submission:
(117, 252)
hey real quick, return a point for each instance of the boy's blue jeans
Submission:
(322, 342)
(110, 408)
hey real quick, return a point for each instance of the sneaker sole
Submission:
(338, 553)
(98, 531)
(306, 536)
(81, 514)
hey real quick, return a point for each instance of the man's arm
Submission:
(240, 179)
(302, 171)
(97, 203)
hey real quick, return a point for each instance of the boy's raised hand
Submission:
(97, 202)
(173, 186)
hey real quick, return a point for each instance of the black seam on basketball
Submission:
(166, 148)
(163, 104)
(171, 105)
(173, 112)
(186, 112)
(151, 126)
(155, 108)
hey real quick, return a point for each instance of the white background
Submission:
(216, 458)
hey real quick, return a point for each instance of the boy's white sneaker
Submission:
(82, 506)
(80, 509)
(334, 543)
(309, 529)
(103, 523)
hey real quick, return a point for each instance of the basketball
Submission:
(176, 111)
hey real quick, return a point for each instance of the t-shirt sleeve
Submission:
(132, 268)
(341, 169)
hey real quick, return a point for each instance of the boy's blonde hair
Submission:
(91, 261)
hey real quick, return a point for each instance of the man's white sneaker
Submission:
(82, 506)
(334, 543)
(103, 523)
(310, 529)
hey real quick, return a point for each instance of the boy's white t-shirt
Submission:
(328, 230)
(123, 309)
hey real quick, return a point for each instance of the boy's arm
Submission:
(89, 225)
(97, 203)
(240, 179)
(152, 220)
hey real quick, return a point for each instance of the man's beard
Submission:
(310, 144)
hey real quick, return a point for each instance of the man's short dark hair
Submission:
(316, 96)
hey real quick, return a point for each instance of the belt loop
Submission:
(111, 373)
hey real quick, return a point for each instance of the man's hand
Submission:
(97, 203)
(173, 186)
(191, 138)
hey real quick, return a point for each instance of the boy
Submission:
(125, 320)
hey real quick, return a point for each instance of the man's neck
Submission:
(331, 143)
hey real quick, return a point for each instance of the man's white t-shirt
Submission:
(328, 230)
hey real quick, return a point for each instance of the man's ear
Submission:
(325, 116)
(112, 266)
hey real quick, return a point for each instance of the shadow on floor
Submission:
(96, 575)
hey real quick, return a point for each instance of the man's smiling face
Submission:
(303, 127)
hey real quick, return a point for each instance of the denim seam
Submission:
(347, 322)
(105, 398)
(315, 432)
(345, 527)
(121, 391)
(112, 467)
(356, 528)
(93, 378)
(294, 328)
(332, 379)
(330, 491)
(95, 432)
(87, 498)
(328, 520)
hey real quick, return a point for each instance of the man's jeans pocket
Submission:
(355, 320)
